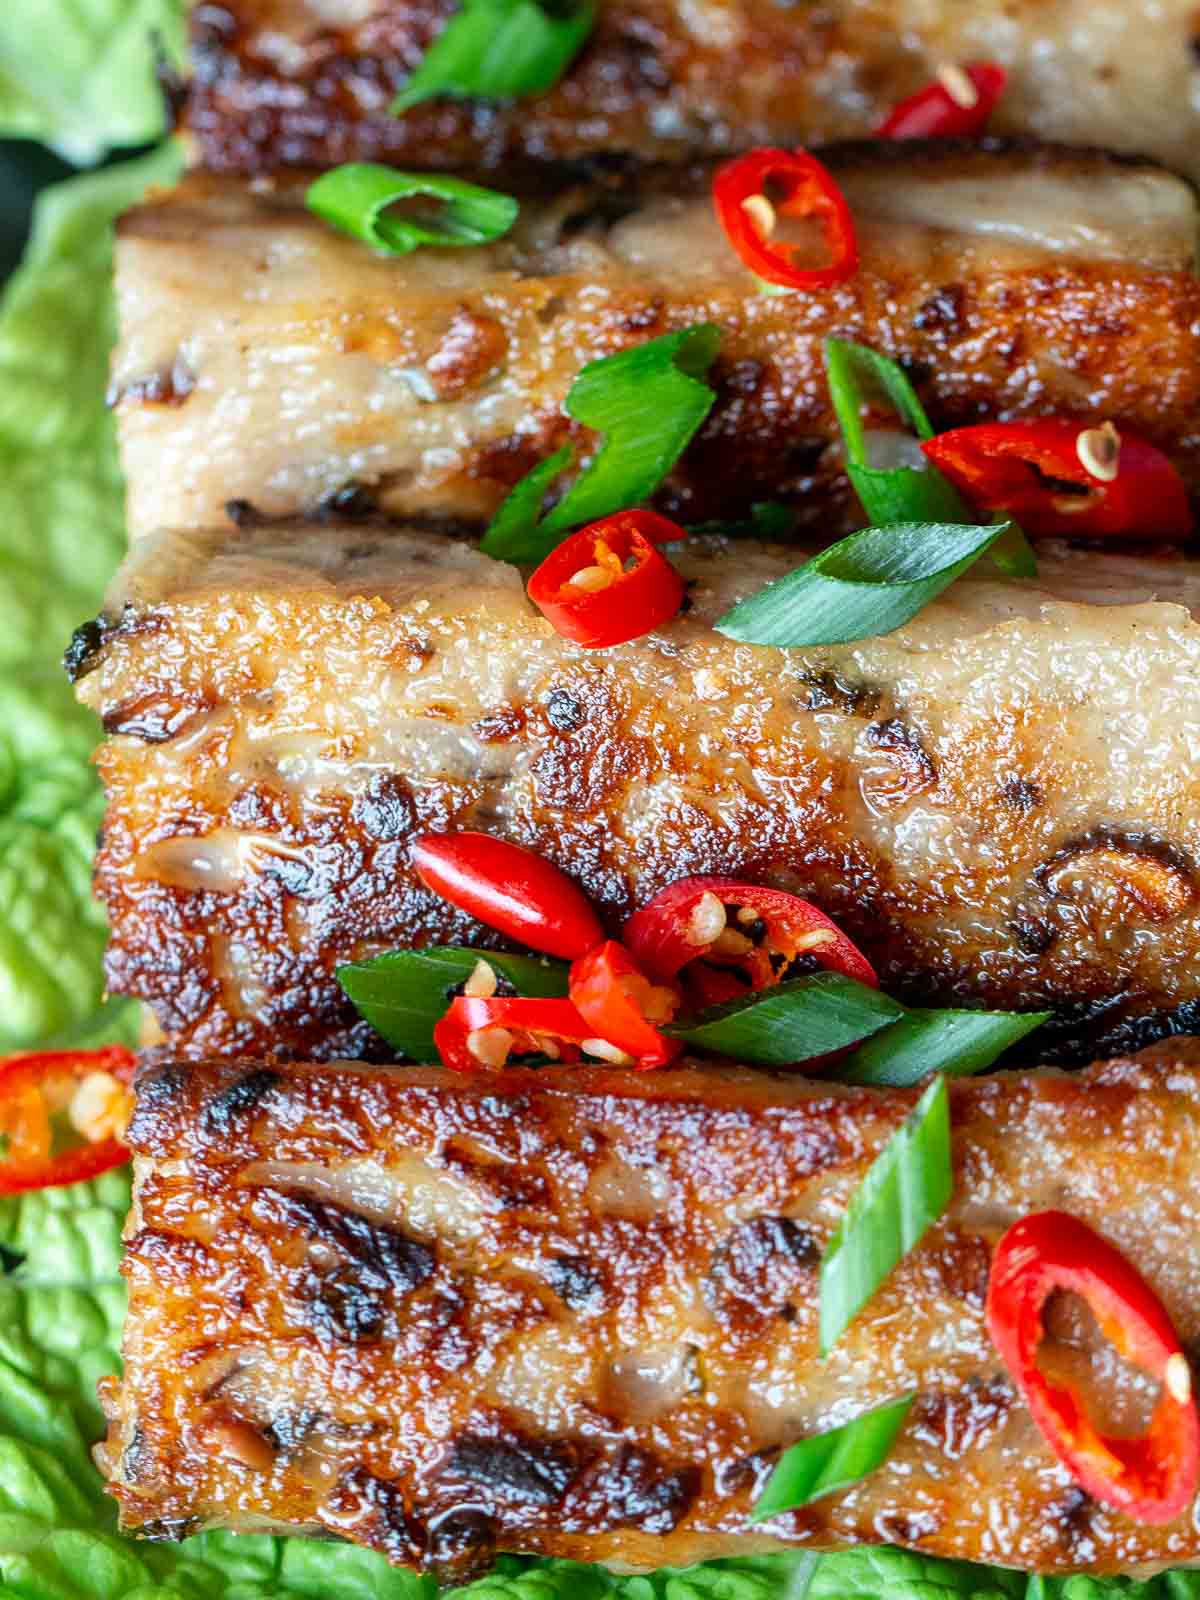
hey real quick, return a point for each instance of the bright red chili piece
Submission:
(715, 926)
(478, 1035)
(607, 583)
(621, 1005)
(509, 888)
(1152, 1477)
(752, 193)
(958, 106)
(1066, 479)
(86, 1089)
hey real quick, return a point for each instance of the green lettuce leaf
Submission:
(80, 74)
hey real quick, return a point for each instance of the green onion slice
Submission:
(792, 1021)
(648, 403)
(958, 1043)
(905, 1191)
(860, 379)
(831, 1461)
(359, 199)
(404, 994)
(867, 584)
(499, 50)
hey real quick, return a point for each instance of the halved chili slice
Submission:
(482, 1035)
(714, 926)
(1153, 1476)
(1066, 479)
(958, 106)
(63, 1115)
(510, 888)
(752, 193)
(622, 1006)
(608, 583)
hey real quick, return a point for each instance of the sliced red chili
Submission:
(1153, 1476)
(607, 583)
(49, 1096)
(479, 1035)
(621, 1005)
(958, 106)
(753, 192)
(1066, 479)
(509, 888)
(722, 923)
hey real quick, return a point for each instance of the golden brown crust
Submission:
(274, 85)
(995, 800)
(576, 1312)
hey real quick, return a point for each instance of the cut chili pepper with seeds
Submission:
(62, 1116)
(958, 106)
(724, 936)
(622, 1006)
(1066, 479)
(758, 190)
(608, 583)
(509, 888)
(481, 1035)
(1153, 1476)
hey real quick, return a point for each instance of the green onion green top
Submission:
(905, 1191)
(362, 199)
(792, 1021)
(860, 379)
(870, 583)
(648, 403)
(499, 50)
(830, 1461)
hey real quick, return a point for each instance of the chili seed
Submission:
(490, 1046)
(707, 921)
(958, 85)
(606, 1052)
(732, 943)
(1099, 451)
(591, 579)
(481, 985)
(761, 213)
(1178, 1378)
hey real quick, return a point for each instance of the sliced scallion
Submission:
(867, 584)
(361, 199)
(647, 403)
(957, 1043)
(404, 993)
(828, 1462)
(905, 1191)
(793, 1021)
(861, 379)
(499, 50)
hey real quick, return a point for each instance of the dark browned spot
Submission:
(564, 711)
(534, 1472)
(1022, 794)
(758, 1268)
(501, 725)
(82, 655)
(353, 502)
(827, 691)
(230, 1104)
(903, 743)
(943, 311)
(386, 809)
(576, 1282)
(955, 1423)
(632, 1488)
(153, 718)
(375, 1511)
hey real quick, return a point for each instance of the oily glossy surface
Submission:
(576, 1312)
(997, 801)
(266, 359)
(308, 82)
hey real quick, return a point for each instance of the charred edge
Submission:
(152, 719)
(576, 1283)
(896, 738)
(461, 1546)
(376, 1508)
(533, 1472)
(230, 1104)
(1146, 846)
(385, 1258)
(353, 502)
(158, 1090)
(83, 653)
(774, 1251)
(826, 691)
(634, 1489)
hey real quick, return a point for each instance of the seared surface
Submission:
(999, 800)
(265, 358)
(308, 82)
(576, 1312)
